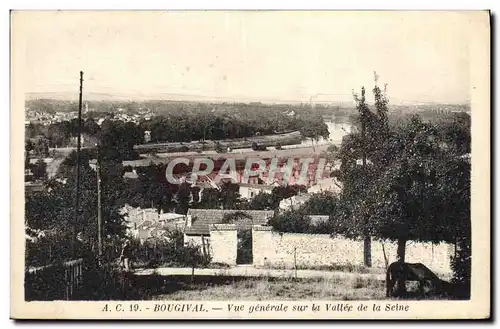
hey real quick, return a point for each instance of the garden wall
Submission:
(283, 249)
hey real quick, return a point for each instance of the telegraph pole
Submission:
(79, 146)
(367, 240)
(99, 206)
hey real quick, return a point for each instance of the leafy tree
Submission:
(324, 203)
(54, 208)
(183, 198)
(194, 258)
(284, 192)
(210, 199)
(39, 169)
(294, 221)
(313, 126)
(91, 127)
(415, 186)
(229, 195)
(332, 148)
(41, 146)
(262, 201)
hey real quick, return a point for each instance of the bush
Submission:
(169, 251)
(333, 148)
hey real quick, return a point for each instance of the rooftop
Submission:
(202, 218)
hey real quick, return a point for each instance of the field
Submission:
(254, 289)
(219, 288)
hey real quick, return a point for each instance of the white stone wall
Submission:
(224, 243)
(275, 249)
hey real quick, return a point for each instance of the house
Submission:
(326, 185)
(294, 202)
(131, 174)
(318, 219)
(198, 222)
(172, 220)
(249, 191)
(144, 224)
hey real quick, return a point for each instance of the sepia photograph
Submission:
(250, 164)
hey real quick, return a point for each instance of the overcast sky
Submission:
(268, 56)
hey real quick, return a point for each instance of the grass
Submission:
(350, 268)
(248, 289)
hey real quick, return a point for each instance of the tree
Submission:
(332, 148)
(313, 126)
(210, 199)
(262, 201)
(421, 195)
(194, 258)
(415, 186)
(293, 221)
(39, 169)
(324, 203)
(183, 197)
(229, 195)
(53, 209)
(359, 147)
(284, 192)
(41, 146)
(91, 127)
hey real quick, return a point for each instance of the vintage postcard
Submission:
(250, 165)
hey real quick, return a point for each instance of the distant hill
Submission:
(67, 101)
(138, 97)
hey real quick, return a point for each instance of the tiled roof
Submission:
(202, 218)
(257, 186)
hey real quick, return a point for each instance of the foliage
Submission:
(175, 122)
(271, 201)
(296, 221)
(194, 257)
(332, 148)
(169, 251)
(39, 169)
(323, 203)
(299, 221)
(461, 265)
(53, 209)
(232, 217)
(263, 201)
(416, 181)
(244, 253)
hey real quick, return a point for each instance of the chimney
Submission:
(189, 220)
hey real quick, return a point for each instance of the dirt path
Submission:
(251, 271)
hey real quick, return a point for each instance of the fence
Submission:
(54, 282)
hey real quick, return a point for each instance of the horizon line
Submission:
(178, 97)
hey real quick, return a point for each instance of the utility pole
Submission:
(99, 206)
(79, 146)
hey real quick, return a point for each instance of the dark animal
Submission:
(398, 273)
